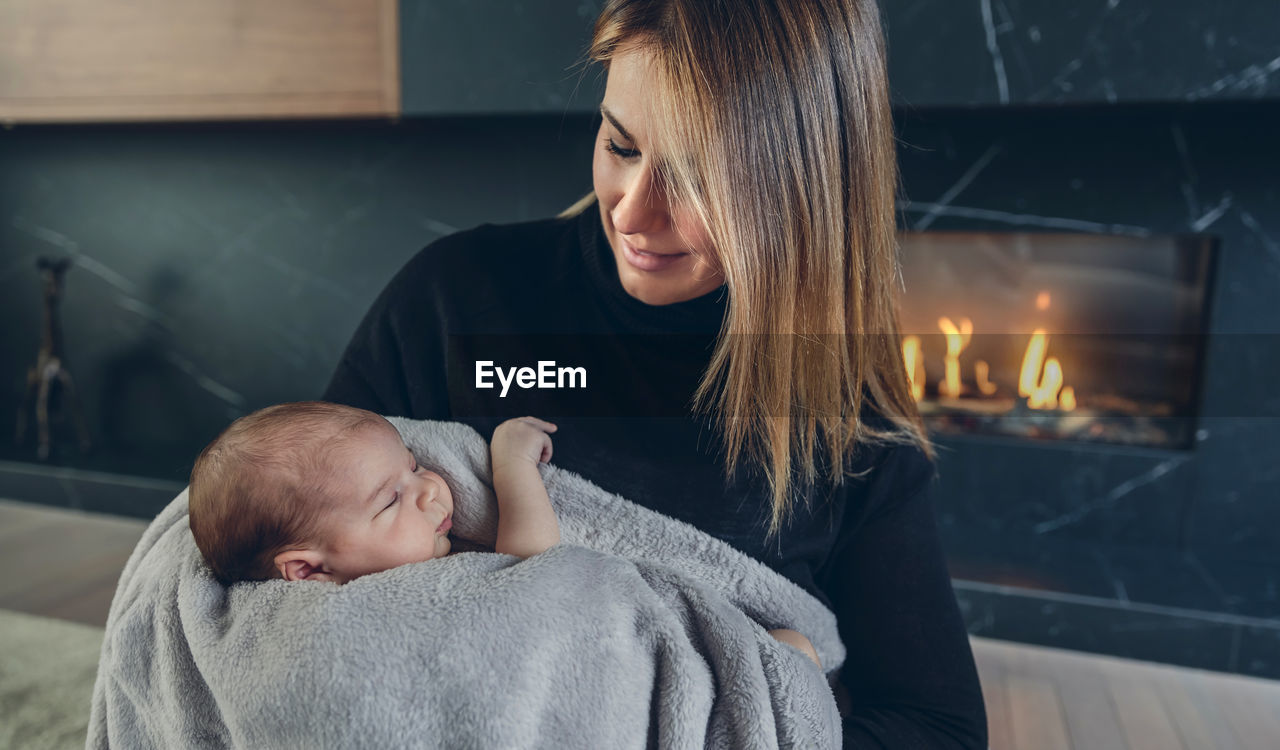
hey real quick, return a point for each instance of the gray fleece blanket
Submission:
(636, 631)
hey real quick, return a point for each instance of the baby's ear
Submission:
(301, 565)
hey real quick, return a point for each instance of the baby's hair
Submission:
(259, 487)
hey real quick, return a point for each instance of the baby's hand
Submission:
(522, 439)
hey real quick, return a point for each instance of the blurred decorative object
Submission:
(50, 368)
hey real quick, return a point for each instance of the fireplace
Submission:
(1054, 336)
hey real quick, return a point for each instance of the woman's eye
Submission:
(620, 152)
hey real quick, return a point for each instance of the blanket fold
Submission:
(636, 631)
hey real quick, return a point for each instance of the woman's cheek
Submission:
(601, 179)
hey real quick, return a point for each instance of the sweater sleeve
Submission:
(910, 673)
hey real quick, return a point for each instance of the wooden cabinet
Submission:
(102, 60)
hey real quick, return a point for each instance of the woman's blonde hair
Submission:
(772, 123)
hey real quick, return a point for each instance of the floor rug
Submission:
(47, 669)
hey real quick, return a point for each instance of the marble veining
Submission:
(204, 381)
(1109, 499)
(1212, 215)
(1001, 52)
(1255, 78)
(1117, 582)
(1022, 220)
(45, 234)
(945, 200)
(993, 47)
(1191, 179)
(439, 227)
(305, 277)
(1268, 242)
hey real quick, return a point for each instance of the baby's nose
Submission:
(426, 493)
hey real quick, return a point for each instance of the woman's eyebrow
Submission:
(609, 116)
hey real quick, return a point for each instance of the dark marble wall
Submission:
(993, 52)
(222, 268)
(497, 56)
(492, 56)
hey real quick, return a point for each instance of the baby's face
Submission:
(388, 511)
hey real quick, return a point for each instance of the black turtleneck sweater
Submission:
(549, 291)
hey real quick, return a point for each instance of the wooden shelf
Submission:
(131, 60)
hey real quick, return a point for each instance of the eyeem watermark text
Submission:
(545, 376)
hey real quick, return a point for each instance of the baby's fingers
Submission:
(541, 424)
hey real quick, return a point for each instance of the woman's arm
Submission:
(910, 671)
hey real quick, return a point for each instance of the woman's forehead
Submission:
(630, 85)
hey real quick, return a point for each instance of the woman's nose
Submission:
(643, 206)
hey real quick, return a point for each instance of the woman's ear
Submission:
(302, 565)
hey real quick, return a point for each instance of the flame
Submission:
(1041, 391)
(982, 372)
(914, 358)
(957, 340)
(1042, 301)
(1040, 380)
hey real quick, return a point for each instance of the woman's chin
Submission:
(661, 288)
(649, 293)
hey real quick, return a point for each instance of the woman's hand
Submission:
(794, 638)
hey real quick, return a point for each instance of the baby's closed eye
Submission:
(395, 498)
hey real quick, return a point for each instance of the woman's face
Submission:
(663, 253)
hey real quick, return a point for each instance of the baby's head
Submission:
(314, 491)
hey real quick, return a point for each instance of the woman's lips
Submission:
(646, 261)
(448, 524)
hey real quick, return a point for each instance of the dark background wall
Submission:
(996, 52)
(222, 267)
(503, 56)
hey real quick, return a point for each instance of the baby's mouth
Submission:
(445, 525)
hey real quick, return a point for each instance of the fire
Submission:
(1040, 381)
(1040, 390)
(982, 372)
(914, 357)
(957, 340)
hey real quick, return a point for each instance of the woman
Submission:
(729, 291)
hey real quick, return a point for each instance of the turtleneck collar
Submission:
(699, 315)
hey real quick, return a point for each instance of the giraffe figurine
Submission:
(50, 367)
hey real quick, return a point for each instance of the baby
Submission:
(314, 491)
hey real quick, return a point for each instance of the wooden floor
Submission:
(65, 564)
(1050, 699)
